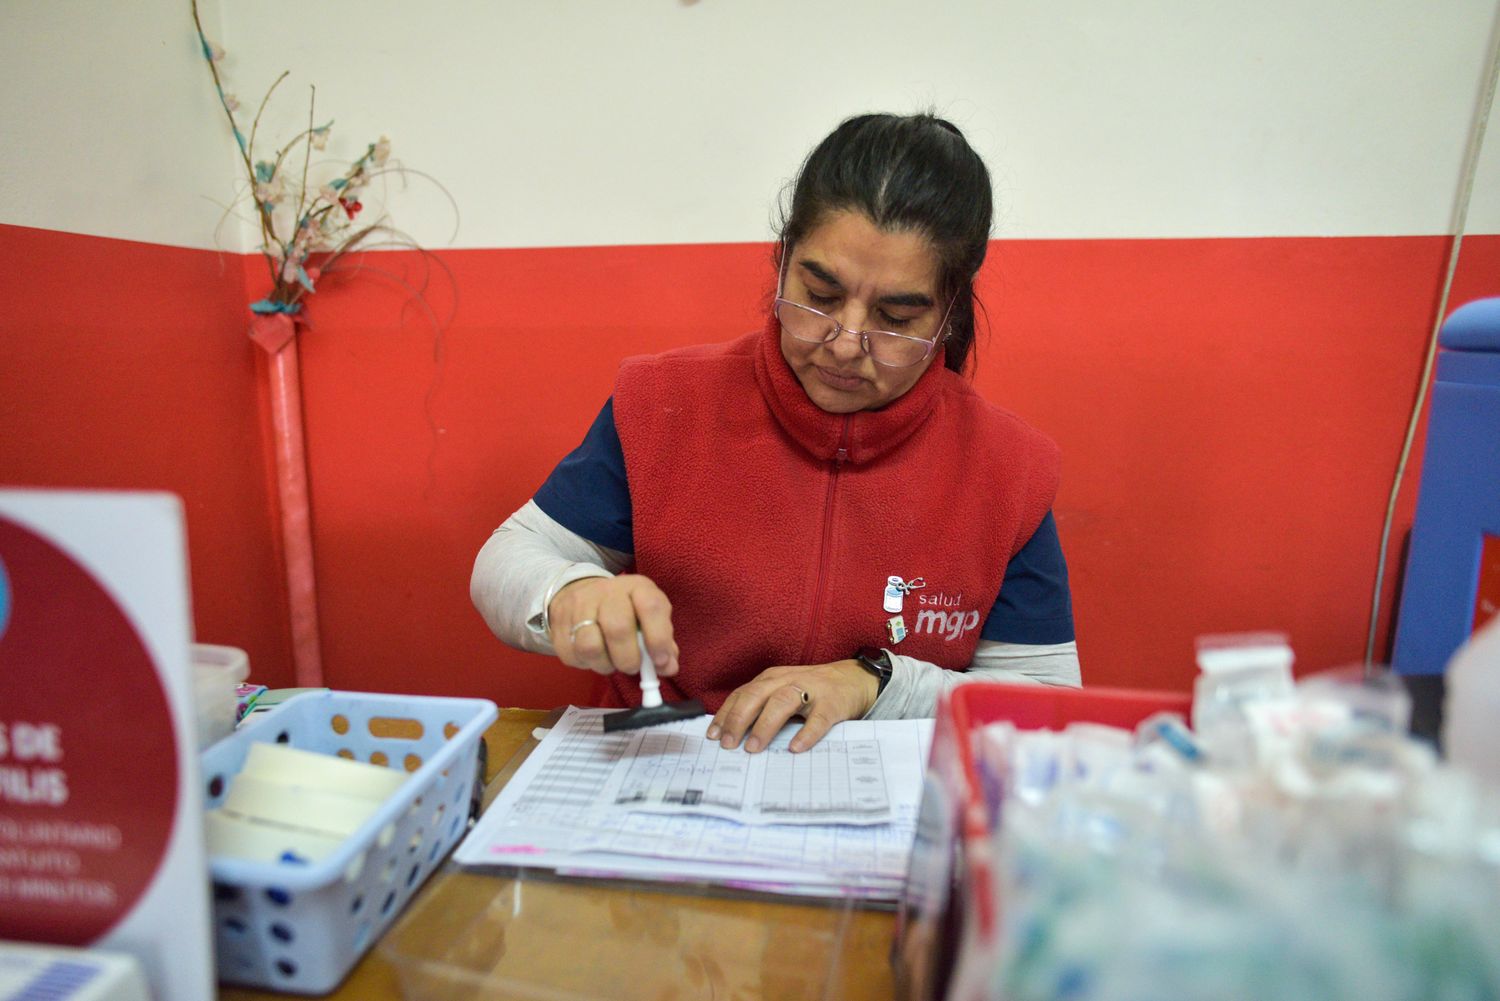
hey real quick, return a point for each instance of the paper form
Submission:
(634, 804)
(675, 770)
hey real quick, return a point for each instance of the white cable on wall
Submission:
(1466, 190)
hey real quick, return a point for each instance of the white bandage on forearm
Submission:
(528, 559)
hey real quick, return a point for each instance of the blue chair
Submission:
(1457, 527)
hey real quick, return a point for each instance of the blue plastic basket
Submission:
(300, 927)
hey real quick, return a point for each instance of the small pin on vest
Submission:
(896, 590)
(895, 593)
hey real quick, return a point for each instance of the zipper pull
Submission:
(841, 456)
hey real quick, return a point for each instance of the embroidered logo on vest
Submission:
(940, 615)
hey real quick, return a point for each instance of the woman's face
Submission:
(867, 279)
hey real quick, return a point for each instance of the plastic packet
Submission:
(1164, 740)
(1352, 718)
(1243, 678)
(1037, 764)
(1095, 753)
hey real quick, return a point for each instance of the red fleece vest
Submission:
(773, 526)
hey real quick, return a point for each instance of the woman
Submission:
(824, 519)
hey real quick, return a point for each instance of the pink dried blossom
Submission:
(299, 217)
(269, 192)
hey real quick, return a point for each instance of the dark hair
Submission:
(912, 173)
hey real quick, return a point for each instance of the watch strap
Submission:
(878, 663)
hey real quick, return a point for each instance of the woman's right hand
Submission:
(593, 624)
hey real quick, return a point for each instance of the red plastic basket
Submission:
(948, 928)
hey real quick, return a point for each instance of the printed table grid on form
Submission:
(578, 772)
(834, 776)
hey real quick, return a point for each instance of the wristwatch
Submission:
(878, 663)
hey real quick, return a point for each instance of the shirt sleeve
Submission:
(1035, 606)
(916, 685)
(587, 493)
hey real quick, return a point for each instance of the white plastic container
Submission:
(216, 672)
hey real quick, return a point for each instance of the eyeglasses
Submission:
(885, 347)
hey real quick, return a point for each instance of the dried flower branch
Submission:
(299, 221)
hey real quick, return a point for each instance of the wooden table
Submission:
(525, 934)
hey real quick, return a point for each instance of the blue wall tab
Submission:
(1459, 502)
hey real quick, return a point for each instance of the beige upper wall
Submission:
(646, 121)
(108, 124)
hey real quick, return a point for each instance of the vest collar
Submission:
(870, 433)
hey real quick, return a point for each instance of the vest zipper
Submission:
(839, 458)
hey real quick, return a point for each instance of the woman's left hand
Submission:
(822, 694)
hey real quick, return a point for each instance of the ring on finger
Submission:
(804, 695)
(573, 630)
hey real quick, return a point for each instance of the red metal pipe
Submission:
(277, 335)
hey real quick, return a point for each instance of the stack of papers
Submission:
(665, 803)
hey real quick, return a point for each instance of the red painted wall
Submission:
(421, 444)
(1229, 412)
(125, 365)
